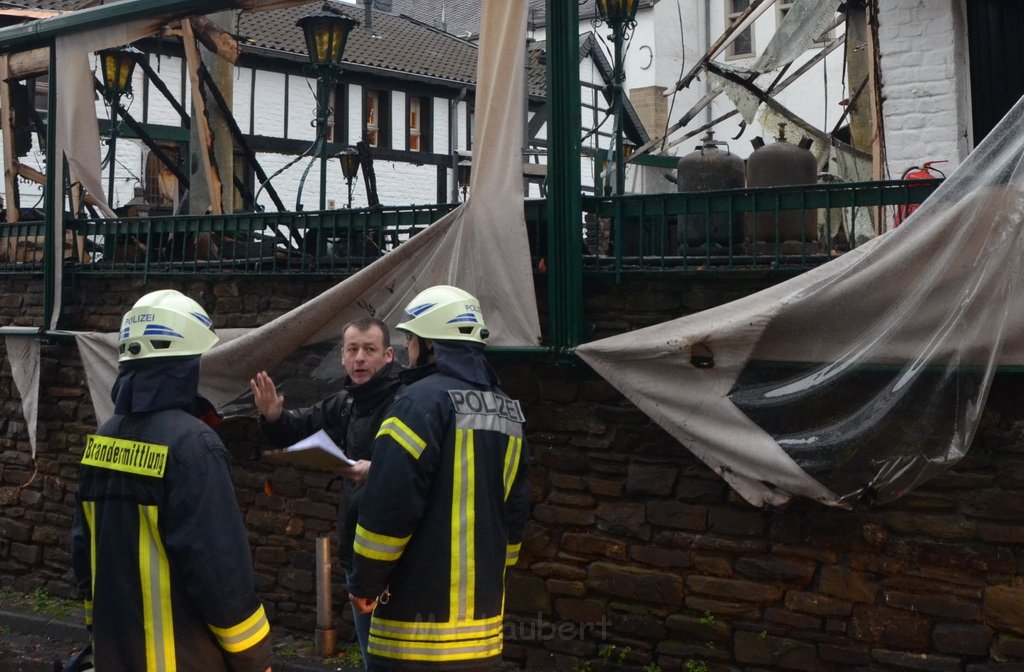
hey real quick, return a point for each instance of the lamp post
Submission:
(463, 173)
(620, 16)
(349, 168)
(326, 34)
(116, 67)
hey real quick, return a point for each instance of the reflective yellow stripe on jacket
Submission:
(436, 642)
(89, 512)
(463, 537)
(155, 580)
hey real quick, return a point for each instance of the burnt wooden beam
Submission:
(239, 137)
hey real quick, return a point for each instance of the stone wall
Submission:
(631, 543)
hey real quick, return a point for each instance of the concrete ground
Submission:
(35, 642)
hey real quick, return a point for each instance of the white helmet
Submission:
(445, 313)
(164, 323)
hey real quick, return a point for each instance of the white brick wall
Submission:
(924, 82)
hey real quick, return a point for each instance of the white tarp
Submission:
(23, 354)
(481, 247)
(860, 379)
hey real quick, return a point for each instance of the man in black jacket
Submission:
(445, 504)
(350, 417)
(158, 546)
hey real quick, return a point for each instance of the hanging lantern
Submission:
(326, 33)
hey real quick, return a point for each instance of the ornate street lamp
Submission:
(463, 174)
(620, 16)
(349, 168)
(116, 68)
(326, 34)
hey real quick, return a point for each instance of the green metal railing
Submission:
(650, 232)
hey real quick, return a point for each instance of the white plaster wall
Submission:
(926, 88)
(440, 119)
(355, 114)
(242, 99)
(269, 118)
(398, 120)
(301, 107)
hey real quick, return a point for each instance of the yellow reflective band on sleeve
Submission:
(245, 635)
(512, 452)
(512, 554)
(155, 581)
(133, 457)
(378, 546)
(88, 612)
(404, 436)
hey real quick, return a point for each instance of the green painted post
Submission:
(54, 200)
(564, 208)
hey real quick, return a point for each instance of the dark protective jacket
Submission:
(158, 544)
(351, 418)
(442, 517)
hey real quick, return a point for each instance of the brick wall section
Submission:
(631, 541)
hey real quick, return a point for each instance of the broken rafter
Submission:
(239, 137)
(742, 22)
(213, 181)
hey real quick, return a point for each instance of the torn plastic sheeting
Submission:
(23, 355)
(804, 23)
(863, 378)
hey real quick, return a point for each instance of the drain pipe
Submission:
(707, 48)
(326, 636)
(453, 142)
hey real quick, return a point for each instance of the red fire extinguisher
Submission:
(922, 172)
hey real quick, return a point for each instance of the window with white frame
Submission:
(743, 44)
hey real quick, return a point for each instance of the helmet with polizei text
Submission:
(164, 323)
(445, 313)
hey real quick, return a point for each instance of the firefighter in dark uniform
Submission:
(446, 500)
(158, 545)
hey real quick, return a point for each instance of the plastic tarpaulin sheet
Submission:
(861, 379)
(481, 247)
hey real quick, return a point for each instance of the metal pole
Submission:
(564, 207)
(326, 642)
(618, 36)
(323, 115)
(113, 150)
(53, 240)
